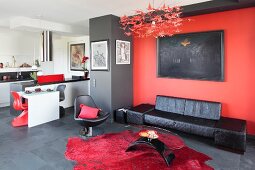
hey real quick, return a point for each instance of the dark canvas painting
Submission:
(192, 56)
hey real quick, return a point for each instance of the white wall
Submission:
(21, 44)
(61, 54)
(25, 46)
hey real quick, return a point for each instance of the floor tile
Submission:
(43, 147)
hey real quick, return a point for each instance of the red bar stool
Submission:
(22, 119)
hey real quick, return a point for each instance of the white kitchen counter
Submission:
(43, 107)
(16, 69)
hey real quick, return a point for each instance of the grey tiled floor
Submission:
(42, 147)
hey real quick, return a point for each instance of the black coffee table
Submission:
(158, 145)
(166, 153)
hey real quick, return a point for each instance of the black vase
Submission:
(86, 74)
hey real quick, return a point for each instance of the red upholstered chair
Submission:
(22, 119)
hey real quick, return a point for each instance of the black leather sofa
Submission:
(191, 116)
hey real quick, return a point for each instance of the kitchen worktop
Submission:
(67, 80)
(15, 80)
(16, 69)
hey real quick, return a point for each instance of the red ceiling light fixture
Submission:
(156, 22)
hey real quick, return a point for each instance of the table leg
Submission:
(159, 146)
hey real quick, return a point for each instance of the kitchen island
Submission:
(74, 87)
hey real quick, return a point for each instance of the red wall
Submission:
(236, 93)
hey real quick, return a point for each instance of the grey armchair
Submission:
(88, 123)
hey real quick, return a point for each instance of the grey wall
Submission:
(114, 88)
(122, 74)
(100, 29)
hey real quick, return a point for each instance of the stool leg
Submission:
(21, 120)
(61, 111)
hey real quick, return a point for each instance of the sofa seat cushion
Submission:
(160, 118)
(231, 124)
(194, 125)
(187, 124)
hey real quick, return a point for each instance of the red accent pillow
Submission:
(88, 112)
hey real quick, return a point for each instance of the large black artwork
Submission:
(192, 56)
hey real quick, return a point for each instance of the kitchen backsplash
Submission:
(20, 59)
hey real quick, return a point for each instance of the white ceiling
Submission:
(75, 12)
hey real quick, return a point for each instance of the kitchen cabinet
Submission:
(4, 94)
(19, 86)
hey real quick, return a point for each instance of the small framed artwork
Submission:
(77, 51)
(99, 56)
(122, 52)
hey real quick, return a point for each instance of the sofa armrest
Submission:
(135, 115)
(231, 133)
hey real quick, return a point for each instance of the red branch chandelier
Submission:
(156, 22)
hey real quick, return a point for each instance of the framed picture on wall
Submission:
(99, 56)
(77, 51)
(196, 56)
(122, 52)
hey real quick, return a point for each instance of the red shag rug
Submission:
(107, 152)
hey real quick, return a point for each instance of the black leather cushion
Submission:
(142, 108)
(231, 139)
(231, 133)
(194, 125)
(160, 118)
(203, 109)
(120, 116)
(231, 124)
(187, 124)
(135, 115)
(170, 104)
